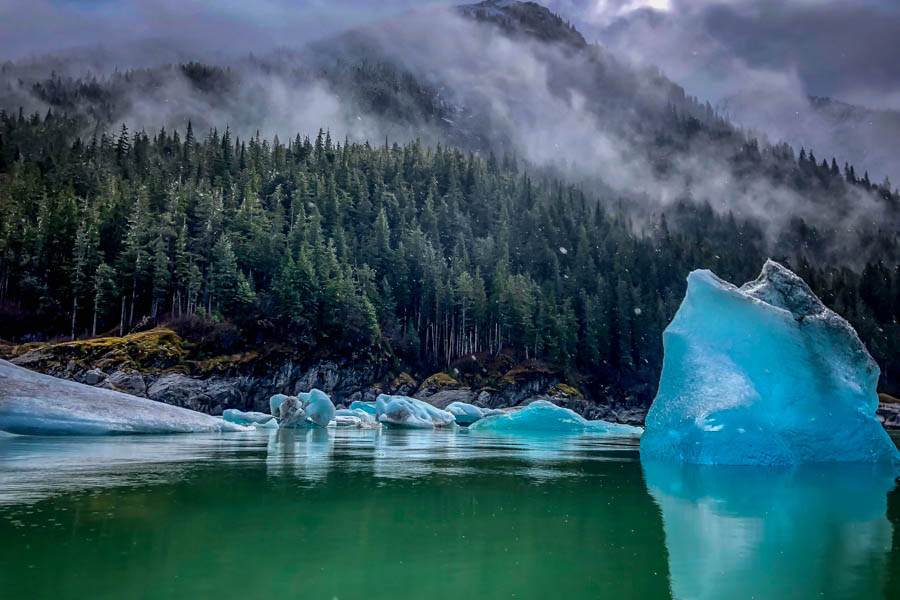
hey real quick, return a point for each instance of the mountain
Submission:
(471, 189)
(858, 134)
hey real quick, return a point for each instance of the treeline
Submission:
(339, 247)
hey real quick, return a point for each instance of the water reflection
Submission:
(301, 453)
(744, 532)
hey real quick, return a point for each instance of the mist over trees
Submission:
(432, 254)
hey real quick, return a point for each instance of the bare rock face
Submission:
(129, 382)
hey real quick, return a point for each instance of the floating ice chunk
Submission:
(466, 414)
(411, 413)
(346, 422)
(233, 415)
(272, 423)
(763, 374)
(275, 402)
(360, 418)
(543, 416)
(313, 409)
(36, 404)
(356, 412)
(368, 407)
(319, 408)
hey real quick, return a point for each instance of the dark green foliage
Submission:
(339, 247)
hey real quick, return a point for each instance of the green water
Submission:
(430, 515)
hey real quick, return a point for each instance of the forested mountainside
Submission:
(434, 254)
(495, 183)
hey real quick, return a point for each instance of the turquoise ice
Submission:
(545, 417)
(406, 412)
(233, 415)
(368, 407)
(466, 414)
(354, 417)
(275, 403)
(763, 374)
(312, 409)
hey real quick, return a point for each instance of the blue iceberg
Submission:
(354, 417)
(368, 407)
(410, 413)
(275, 403)
(233, 415)
(763, 374)
(545, 417)
(313, 409)
(466, 414)
(36, 404)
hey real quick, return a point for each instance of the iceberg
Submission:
(350, 418)
(368, 407)
(233, 415)
(313, 409)
(466, 414)
(275, 403)
(542, 416)
(763, 374)
(410, 413)
(36, 404)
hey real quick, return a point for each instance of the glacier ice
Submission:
(763, 374)
(36, 404)
(312, 409)
(354, 417)
(319, 408)
(466, 414)
(275, 403)
(543, 416)
(233, 415)
(368, 407)
(410, 413)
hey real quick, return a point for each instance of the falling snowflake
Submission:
(563, 250)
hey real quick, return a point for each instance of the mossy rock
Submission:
(402, 379)
(220, 364)
(154, 350)
(888, 399)
(441, 381)
(564, 389)
(528, 370)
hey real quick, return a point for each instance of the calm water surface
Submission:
(431, 515)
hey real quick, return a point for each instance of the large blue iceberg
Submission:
(410, 413)
(763, 374)
(545, 417)
(36, 404)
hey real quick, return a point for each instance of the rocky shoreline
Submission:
(155, 364)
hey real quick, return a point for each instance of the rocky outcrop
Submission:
(158, 364)
(888, 411)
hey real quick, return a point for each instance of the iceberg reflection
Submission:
(817, 531)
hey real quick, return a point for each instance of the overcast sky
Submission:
(841, 49)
